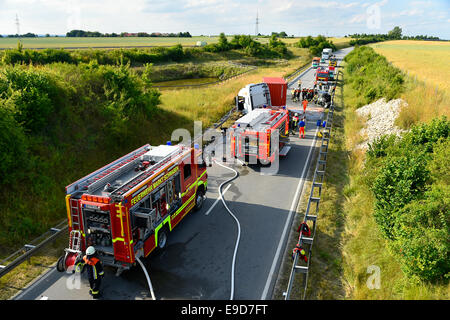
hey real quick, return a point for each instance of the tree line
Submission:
(274, 49)
(26, 35)
(394, 34)
(82, 33)
(315, 45)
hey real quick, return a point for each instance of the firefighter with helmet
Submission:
(94, 271)
(294, 122)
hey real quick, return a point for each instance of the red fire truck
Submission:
(251, 135)
(127, 208)
(322, 75)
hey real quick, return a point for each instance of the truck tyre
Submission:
(60, 265)
(163, 234)
(199, 199)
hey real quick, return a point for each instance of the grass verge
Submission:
(362, 243)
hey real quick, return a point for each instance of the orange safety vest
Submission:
(92, 262)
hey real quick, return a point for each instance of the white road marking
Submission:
(44, 298)
(286, 225)
(217, 200)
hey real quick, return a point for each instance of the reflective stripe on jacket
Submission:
(95, 269)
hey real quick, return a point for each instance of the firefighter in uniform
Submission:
(301, 128)
(294, 122)
(305, 104)
(94, 270)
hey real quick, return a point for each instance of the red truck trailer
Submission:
(127, 208)
(251, 135)
(278, 89)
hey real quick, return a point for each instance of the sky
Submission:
(210, 17)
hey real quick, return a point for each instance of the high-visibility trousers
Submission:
(301, 131)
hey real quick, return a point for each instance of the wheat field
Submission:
(428, 77)
(428, 60)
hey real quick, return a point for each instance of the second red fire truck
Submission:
(127, 208)
(252, 137)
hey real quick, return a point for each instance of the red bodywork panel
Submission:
(278, 89)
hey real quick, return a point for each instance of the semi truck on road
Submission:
(326, 52)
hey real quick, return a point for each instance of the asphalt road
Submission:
(197, 262)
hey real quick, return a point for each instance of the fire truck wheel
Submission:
(199, 199)
(162, 238)
(60, 265)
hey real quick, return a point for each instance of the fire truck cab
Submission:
(127, 208)
(322, 74)
(252, 135)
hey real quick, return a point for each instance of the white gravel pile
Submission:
(380, 116)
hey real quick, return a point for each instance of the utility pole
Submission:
(257, 23)
(19, 44)
(18, 25)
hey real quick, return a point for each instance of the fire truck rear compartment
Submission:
(98, 230)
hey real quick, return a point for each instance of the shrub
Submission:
(13, 146)
(379, 147)
(427, 135)
(372, 76)
(421, 232)
(439, 166)
(400, 180)
(31, 95)
(122, 91)
(315, 45)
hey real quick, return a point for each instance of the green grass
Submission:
(183, 82)
(363, 244)
(86, 42)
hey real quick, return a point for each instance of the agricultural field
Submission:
(340, 42)
(424, 59)
(427, 86)
(101, 42)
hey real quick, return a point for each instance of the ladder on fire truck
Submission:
(74, 214)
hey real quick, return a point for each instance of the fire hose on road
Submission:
(236, 174)
(148, 278)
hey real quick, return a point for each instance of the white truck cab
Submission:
(326, 53)
(253, 96)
